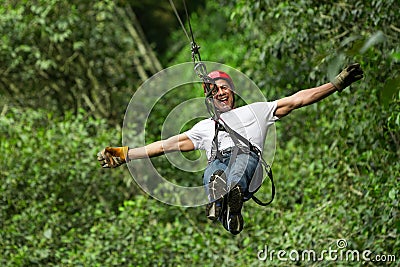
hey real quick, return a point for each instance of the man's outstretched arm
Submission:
(303, 98)
(112, 157)
(180, 142)
(306, 97)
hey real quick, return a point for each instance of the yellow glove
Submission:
(112, 157)
(350, 74)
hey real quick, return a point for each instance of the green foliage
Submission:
(337, 161)
(52, 189)
(67, 55)
(295, 46)
(336, 166)
(159, 21)
(215, 38)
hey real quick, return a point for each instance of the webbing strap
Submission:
(245, 146)
(215, 153)
(268, 170)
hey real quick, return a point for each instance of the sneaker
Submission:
(234, 219)
(213, 210)
(217, 190)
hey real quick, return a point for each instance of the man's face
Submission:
(223, 95)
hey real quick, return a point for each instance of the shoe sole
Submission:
(234, 216)
(217, 192)
(217, 185)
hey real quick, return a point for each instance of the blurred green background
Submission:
(69, 68)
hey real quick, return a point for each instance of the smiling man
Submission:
(230, 176)
(222, 89)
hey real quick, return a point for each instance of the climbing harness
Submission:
(242, 145)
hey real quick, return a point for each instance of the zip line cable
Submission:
(188, 19)
(195, 47)
(199, 67)
(179, 19)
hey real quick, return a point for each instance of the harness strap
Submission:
(268, 170)
(245, 146)
(215, 152)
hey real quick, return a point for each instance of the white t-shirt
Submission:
(251, 121)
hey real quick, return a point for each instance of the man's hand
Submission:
(350, 74)
(112, 157)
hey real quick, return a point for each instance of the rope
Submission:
(188, 19)
(199, 68)
(179, 19)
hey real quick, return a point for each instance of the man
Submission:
(229, 174)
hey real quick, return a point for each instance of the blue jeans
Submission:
(241, 171)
